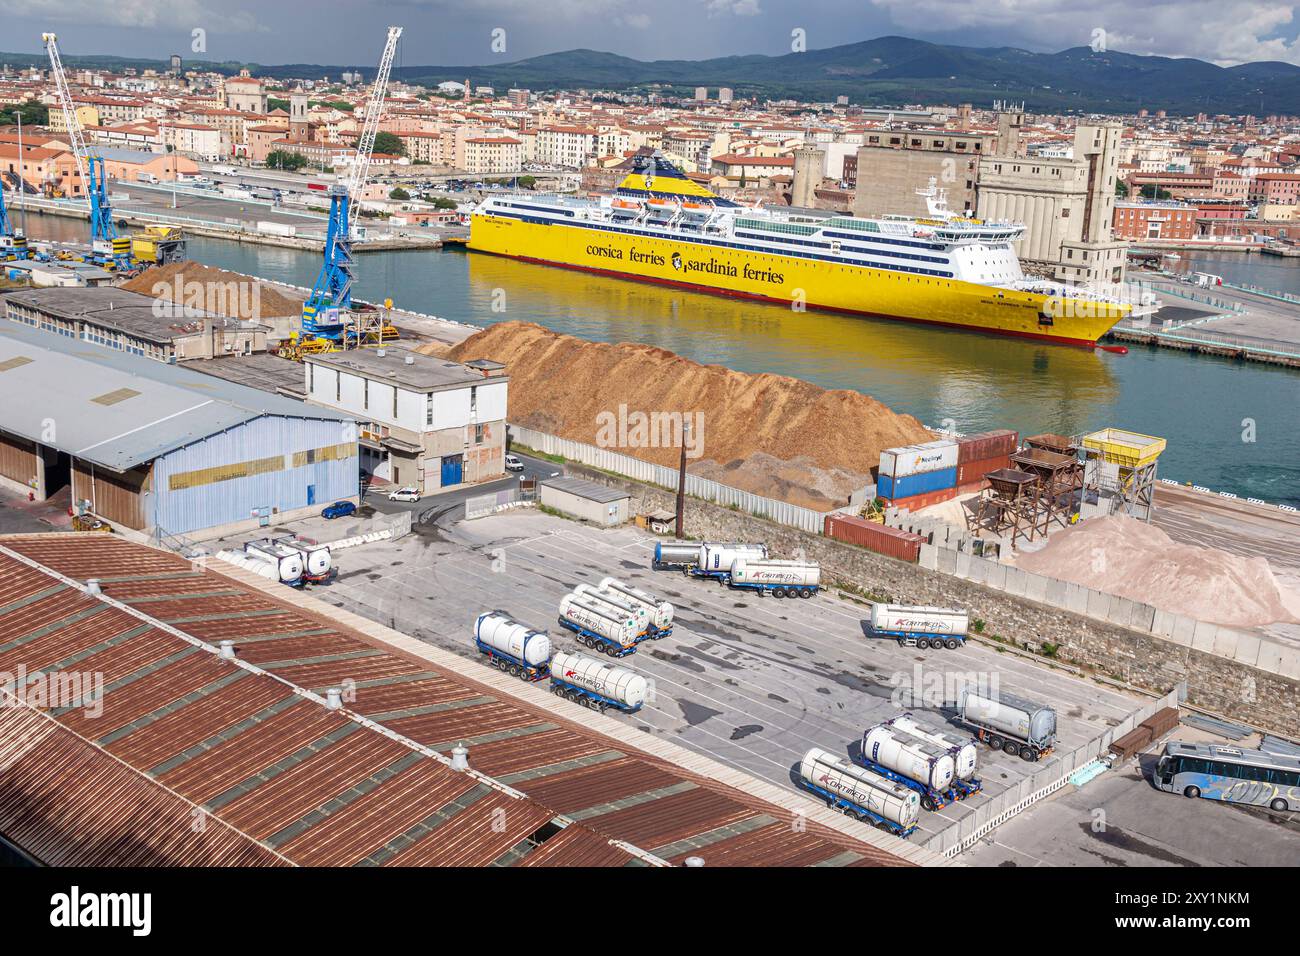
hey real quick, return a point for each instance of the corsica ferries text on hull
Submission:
(685, 265)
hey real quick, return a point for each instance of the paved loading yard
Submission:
(752, 682)
(1119, 819)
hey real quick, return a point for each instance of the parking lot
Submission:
(753, 682)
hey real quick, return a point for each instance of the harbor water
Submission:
(1231, 426)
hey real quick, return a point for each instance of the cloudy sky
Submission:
(453, 32)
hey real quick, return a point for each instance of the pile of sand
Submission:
(774, 435)
(1136, 560)
(214, 290)
(798, 481)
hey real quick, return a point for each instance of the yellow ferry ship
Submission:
(660, 226)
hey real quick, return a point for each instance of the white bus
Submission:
(1256, 777)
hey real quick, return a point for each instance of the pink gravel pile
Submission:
(1136, 560)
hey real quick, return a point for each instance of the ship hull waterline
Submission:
(939, 302)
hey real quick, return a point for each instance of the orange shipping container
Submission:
(903, 545)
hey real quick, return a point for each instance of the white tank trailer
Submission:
(580, 614)
(287, 561)
(964, 751)
(717, 559)
(616, 604)
(501, 633)
(929, 765)
(780, 577)
(891, 802)
(923, 626)
(317, 561)
(258, 566)
(616, 686)
(661, 612)
(1011, 723)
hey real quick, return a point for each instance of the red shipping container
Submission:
(917, 502)
(973, 471)
(903, 545)
(1000, 442)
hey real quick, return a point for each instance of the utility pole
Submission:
(681, 482)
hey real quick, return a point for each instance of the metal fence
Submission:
(998, 810)
(625, 465)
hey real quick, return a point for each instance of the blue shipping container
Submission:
(890, 487)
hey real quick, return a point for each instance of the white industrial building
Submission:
(584, 499)
(159, 448)
(422, 420)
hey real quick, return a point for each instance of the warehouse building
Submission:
(130, 322)
(587, 500)
(423, 421)
(286, 776)
(161, 449)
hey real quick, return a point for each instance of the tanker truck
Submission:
(618, 606)
(599, 627)
(317, 561)
(592, 683)
(675, 555)
(860, 793)
(920, 626)
(917, 764)
(512, 647)
(286, 561)
(963, 752)
(1008, 723)
(778, 578)
(661, 612)
(713, 560)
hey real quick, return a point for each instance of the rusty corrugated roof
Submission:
(253, 745)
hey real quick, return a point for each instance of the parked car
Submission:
(340, 509)
(409, 493)
(513, 463)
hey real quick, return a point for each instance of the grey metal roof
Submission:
(115, 409)
(121, 154)
(425, 373)
(264, 371)
(158, 320)
(582, 488)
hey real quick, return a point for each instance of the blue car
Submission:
(340, 509)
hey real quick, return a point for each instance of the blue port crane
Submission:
(325, 311)
(12, 242)
(105, 244)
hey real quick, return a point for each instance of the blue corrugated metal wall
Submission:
(208, 506)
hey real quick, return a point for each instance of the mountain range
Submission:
(885, 71)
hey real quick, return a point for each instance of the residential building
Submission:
(493, 154)
(1140, 221)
